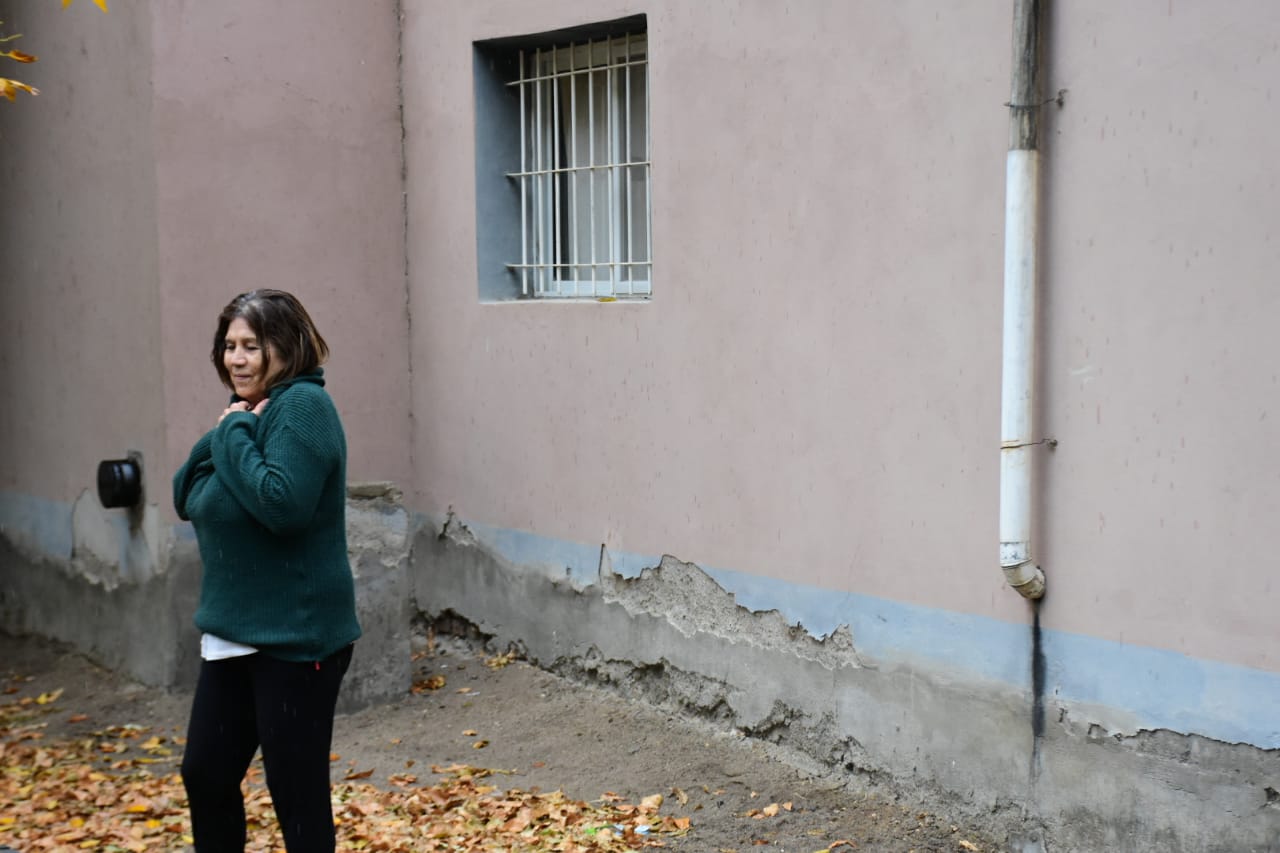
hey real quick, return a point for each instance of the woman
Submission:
(265, 490)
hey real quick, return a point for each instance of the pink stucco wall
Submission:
(1161, 354)
(814, 388)
(178, 154)
(278, 163)
(79, 366)
(813, 393)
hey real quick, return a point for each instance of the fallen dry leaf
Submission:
(118, 790)
(431, 682)
(499, 661)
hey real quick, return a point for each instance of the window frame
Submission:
(530, 204)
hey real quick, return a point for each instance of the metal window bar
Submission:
(627, 156)
(609, 144)
(572, 179)
(552, 204)
(524, 204)
(591, 158)
(555, 166)
(537, 133)
(648, 188)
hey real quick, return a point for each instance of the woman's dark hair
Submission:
(291, 344)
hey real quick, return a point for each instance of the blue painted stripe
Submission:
(1151, 688)
(37, 524)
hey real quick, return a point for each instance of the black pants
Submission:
(286, 708)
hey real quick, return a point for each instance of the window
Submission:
(568, 135)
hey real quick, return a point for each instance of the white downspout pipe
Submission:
(1021, 249)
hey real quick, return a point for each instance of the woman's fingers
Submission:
(240, 406)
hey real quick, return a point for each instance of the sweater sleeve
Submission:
(192, 474)
(279, 483)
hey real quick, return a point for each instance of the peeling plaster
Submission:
(924, 718)
(114, 546)
(693, 602)
(1123, 687)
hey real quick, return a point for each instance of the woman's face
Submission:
(242, 355)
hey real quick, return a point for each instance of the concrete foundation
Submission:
(140, 622)
(672, 636)
(141, 628)
(378, 545)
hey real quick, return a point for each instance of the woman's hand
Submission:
(243, 406)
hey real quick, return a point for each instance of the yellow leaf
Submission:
(101, 4)
(19, 56)
(651, 803)
(52, 695)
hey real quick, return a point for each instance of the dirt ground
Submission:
(548, 734)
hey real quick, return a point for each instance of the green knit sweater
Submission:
(267, 497)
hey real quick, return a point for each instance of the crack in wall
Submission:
(658, 683)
